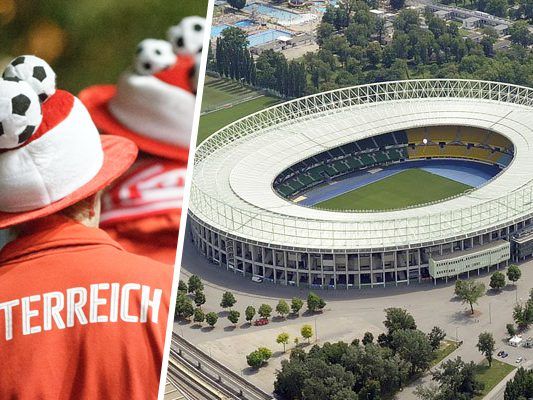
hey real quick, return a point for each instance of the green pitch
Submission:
(212, 122)
(219, 92)
(406, 188)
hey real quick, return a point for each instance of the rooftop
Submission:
(234, 168)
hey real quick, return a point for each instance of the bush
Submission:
(497, 281)
(195, 284)
(249, 313)
(282, 308)
(211, 318)
(182, 287)
(296, 305)
(199, 298)
(184, 307)
(265, 311)
(514, 273)
(307, 332)
(234, 316)
(257, 358)
(199, 316)
(228, 300)
(367, 338)
(315, 302)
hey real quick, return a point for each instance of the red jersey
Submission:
(142, 209)
(80, 318)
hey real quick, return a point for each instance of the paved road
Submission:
(349, 314)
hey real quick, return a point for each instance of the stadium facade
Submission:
(249, 176)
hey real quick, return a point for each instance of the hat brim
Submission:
(119, 155)
(96, 99)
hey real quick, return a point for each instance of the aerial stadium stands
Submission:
(442, 142)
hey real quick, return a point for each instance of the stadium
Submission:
(374, 185)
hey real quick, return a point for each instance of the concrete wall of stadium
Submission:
(335, 268)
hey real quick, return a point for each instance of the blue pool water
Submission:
(273, 12)
(268, 36)
(245, 23)
(470, 173)
(216, 30)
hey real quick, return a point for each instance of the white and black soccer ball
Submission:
(20, 113)
(152, 56)
(36, 72)
(188, 36)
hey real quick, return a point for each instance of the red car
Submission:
(261, 321)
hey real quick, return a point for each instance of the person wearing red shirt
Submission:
(153, 105)
(80, 317)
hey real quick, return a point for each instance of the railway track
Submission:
(199, 377)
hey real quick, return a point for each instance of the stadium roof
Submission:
(234, 168)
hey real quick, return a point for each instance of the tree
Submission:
(265, 311)
(486, 345)
(514, 273)
(265, 352)
(182, 287)
(255, 359)
(521, 386)
(315, 302)
(368, 338)
(307, 332)
(469, 292)
(211, 318)
(195, 284)
(234, 316)
(436, 336)
(497, 281)
(199, 298)
(228, 300)
(398, 319)
(397, 4)
(259, 357)
(282, 308)
(457, 380)
(520, 33)
(283, 338)
(199, 316)
(237, 4)
(523, 314)
(511, 330)
(249, 313)
(296, 305)
(413, 347)
(184, 307)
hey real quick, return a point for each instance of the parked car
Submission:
(261, 322)
(257, 279)
(504, 354)
(500, 353)
(519, 359)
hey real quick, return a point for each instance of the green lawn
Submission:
(492, 376)
(220, 92)
(406, 188)
(447, 347)
(212, 122)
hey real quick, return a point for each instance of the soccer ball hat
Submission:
(51, 154)
(153, 104)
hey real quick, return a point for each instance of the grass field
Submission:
(492, 376)
(447, 347)
(212, 122)
(406, 188)
(219, 92)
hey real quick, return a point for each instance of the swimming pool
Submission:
(245, 23)
(216, 30)
(273, 12)
(268, 36)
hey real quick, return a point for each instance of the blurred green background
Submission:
(87, 41)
